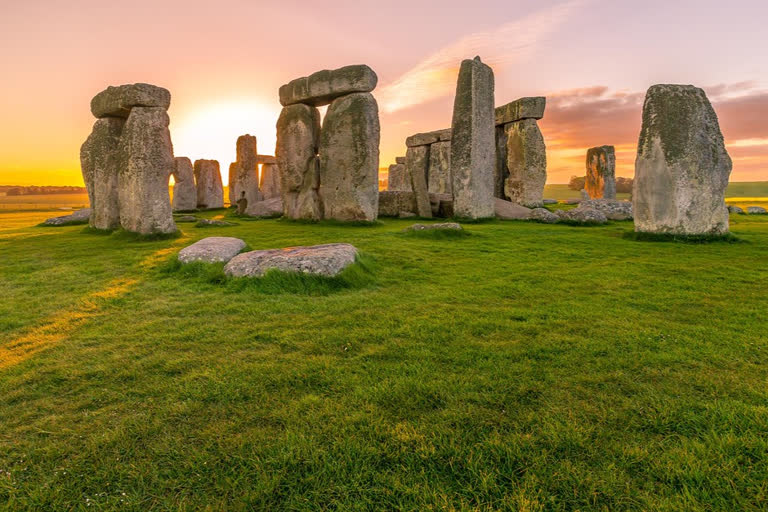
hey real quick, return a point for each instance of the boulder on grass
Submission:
(735, 209)
(756, 210)
(326, 260)
(508, 210)
(582, 215)
(213, 249)
(612, 208)
(78, 217)
(543, 215)
(450, 226)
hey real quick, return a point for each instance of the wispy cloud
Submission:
(435, 76)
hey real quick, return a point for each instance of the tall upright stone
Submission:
(231, 183)
(210, 191)
(417, 165)
(526, 163)
(440, 181)
(601, 172)
(269, 183)
(146, 155)
(397, 177)
(349, 159)
(473, 145)
(100, 162)
(246, 171)
(184, 190)
(682, 166)
(298, 133)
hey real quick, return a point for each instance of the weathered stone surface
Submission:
(322, 87)
(349, 159)
(508, 210)
(231, 197)
(440, 181)
(184, 190)
(473, 145)
(406, 215)
(146, 156)
(298, 134)
(756, 210)
(543, 215)
(186, 218)
(735, 209)
(613, 209)
(427, 138)
(549, 201)
(272, 207)
(207, 223)
(584, 195)
(394, 202)
(246, 172)
(266, 159)
(417, 167)
(500, 170)
(79, 217)
(526, 162)
(582, 215)
(214, 249)
(118, 101)
(441, 204)
(398, 178)
(270, 181)
(451, 226)
(682, 166)
(400, 160)
(327, 260)
(601, 172)
(100, 162)
(523, 108)
(210, 191)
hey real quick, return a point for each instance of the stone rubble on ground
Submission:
(582, 215)
(612, 208)
(543, 215)
(327, 260)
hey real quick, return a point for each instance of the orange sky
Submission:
(224, 62)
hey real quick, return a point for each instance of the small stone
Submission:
(612, 208)
(214, 249)
(449, 226)
(323, 87)
(543, 215)
(756, 210)
(78, 217)
(582, 215)
(508, 210)
(210, 191)
(118, 101)
(327, 260)
(601, 173)
(184, 189)
(735, 209)
(523, 108)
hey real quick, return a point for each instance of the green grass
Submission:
(523, 367)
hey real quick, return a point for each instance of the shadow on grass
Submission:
(356, 276)
(640, 236)
(63, 224)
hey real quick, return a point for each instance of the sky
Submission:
(224, 62)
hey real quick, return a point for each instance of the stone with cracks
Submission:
(612, 208)
(79, 217)
(394, 202)
(214, 249)
(523, 108)
(417, 167)
(118, 101)
(246, 171)
(146, 164)
(397, 178)
(473, 144)
(526, 163)
(543, 215)
(100, 162)
(682, 166)
(210, 191)
(298, 133)
(322, 87)
(269, 184)
(508, 210)
(349, 159)
(440, 181)
(184, 190)
(326, 260)
(601, 172)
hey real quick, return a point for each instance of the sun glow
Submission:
(211, 131)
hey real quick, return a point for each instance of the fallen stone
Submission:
(349, 159)
(735, 209)
(582, 215)
(682, 167)
(322, 87)
(543, 215)
(601, 173)
(272, 207)
(78, 217)
(440, 181)
(214, 249)
(612, 208)
(523, 108)
(508, 210)
(526, 163)
(572, 201)
(473, 143)
(417, 159)
(184, 189)
(298, 133)
(205, 223)
(210, 191)
(756, 210)
(406, 215)
(327, 260)
(450, 226)
(186, 218)
(118, 101)
(100, 161)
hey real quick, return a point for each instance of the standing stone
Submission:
(146, 155)
(210, 191)
(417, 164)
(440, 181)
(269, 184)
(526, 163)
(100, 163)
(349, 159)
(184, 190)
(398, 179)
(298, 131)
(500, 171)
(682, 166)
(473, 145)
(601, 172)
(247, 171)
(233, 168)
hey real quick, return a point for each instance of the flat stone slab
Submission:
(186, 218)
(612, 208)
(451, 226)
(213, 249)
(756, 210)
(78, 217)
(326, 260)
(523, 108)
(508, 210)
(266, 159)
(214, 222)
(323, 87)
(118, 101)
(427, 138)
(272, 207)
(549, 201)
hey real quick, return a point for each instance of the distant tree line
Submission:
(40, 191)
(623, 185)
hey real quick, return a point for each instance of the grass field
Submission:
(523, 367)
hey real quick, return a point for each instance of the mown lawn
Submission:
(523, 367)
